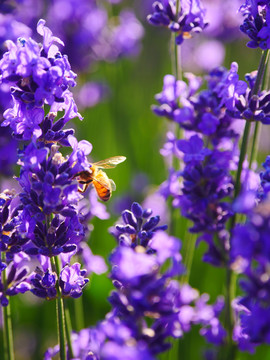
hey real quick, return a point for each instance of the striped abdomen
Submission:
(102, 185)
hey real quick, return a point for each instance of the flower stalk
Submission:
(245, 140)
(68, 327)
(79, 314)
(258, 125)
(7, 323)
(61, 325)
(230, 290)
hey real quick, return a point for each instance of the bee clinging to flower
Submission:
(103, 185)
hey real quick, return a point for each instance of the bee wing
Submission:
(113, 185)
(102, 182)
(105, 184)
(110, 162)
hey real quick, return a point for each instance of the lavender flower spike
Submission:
(190, 19)
(37, 76)
(256, 24)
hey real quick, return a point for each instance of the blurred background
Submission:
(120, 61)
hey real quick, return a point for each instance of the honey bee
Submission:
(103, 185)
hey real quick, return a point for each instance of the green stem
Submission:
(228, 299)
(176, 68)
(177, 60)
(178, 6)
(61, 327)
(60, 314)
(259, 79)
(175, 50)
(229, 351)
(8, 334)
(7, 322)
(255, 141)
(68, 329)
(79, 316)
(188, 256)
(242, 156)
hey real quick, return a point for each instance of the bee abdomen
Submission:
(106, 196)
(102, 191)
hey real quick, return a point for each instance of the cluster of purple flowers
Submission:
(207, 154)
(250, 257)
(49, 219)
(203, 186)
(189, 19)
(250, 104)
(37, 76)
(91, 35)
(148, 306)
(10, 29)
(256, 24)
(207, 51)
(11, 242)
(211, 122)
(265, 180)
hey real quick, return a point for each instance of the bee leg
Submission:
(83, 189)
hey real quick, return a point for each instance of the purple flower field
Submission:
(169, 259)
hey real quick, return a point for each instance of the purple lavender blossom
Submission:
(207, 51)
(256, 23)
(48, 220)
(265, 180)
(170, 95)
(207, 156)
(143, 287)
(11, 242)
(89, 31)
(44, 284)
(9, 29)
(239, 336)
(250, 257)
(111, 339)
(37, 76)
(248, 106)
(72, 280)
(138, 226)
(49, 188)
(186, 105)
(208, 316)
(221, 15)
(17, 282)
(8, 152)
(148, 306)
(190, 19)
